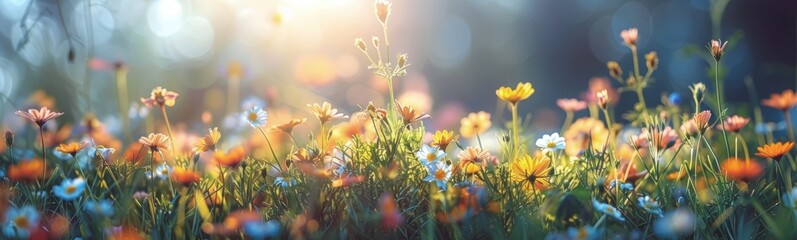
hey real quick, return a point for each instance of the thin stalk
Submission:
(515, 140)
(787, 117)
(741, 139)
(719, 104)
(636, 62)
(44, 153)
(568, 120)
(269, 144)
(169, 129)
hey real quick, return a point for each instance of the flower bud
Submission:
(382, 8)
(614, 69)
(402, 61)
(698, 90)
(717, 49)
(603, 98)
(375, 41)
(360, 44)
(652, 60)
(9, 138)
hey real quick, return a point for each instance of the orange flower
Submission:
(741, 169)
(472, 160)
(347, 181)
(585, 133)
(185, 176)
(409, 114)
(40, 116)
(155, 141)
(232, 159)
(783, 101)
(27, 171)
(160, 96)
(71, 148)
(288, 127)
(475, 123)
(775, 151)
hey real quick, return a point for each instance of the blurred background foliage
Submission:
(289, 53)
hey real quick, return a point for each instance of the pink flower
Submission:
(630, 36)
(734, 123)
(571, 104)
(39, 116)
(661, 138)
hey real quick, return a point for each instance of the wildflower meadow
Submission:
(172, 164)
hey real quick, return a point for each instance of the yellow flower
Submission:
(513, 96)
(160, 96)
(208, 142)
(442, 138)
(475, 123)
(409, 114)
(71, 148)
(325, 112)
(288, 127)
(585, 133)
(532, 174)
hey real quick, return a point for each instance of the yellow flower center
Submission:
(71, 189)
(610, 210)
(440, 174)
(431, 156)
(252, 117)
(21, 222)
(551, 144)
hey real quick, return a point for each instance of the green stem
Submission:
(269, 144)
(719, 105)
(44, 153)
(515, 140)
(787, 117)
(169, 129)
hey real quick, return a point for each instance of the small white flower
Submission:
(429, 155)
(608, 210)
(650, 205)
(551, 142)
(439, 173)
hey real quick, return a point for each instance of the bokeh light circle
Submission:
(451, 44)
(165, 17)
(195, 39)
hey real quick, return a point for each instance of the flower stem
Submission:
(169, 129)
(636, 62)
(44, 153)
(719, 104)
(787, 117)
(269, 143)
(568, 121)
(641, 98)
(515, 140)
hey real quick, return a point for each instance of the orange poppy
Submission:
(741, 169)
(185, 176)
(27, 171)
(783, 101)
(775, 151)
(233, 158)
